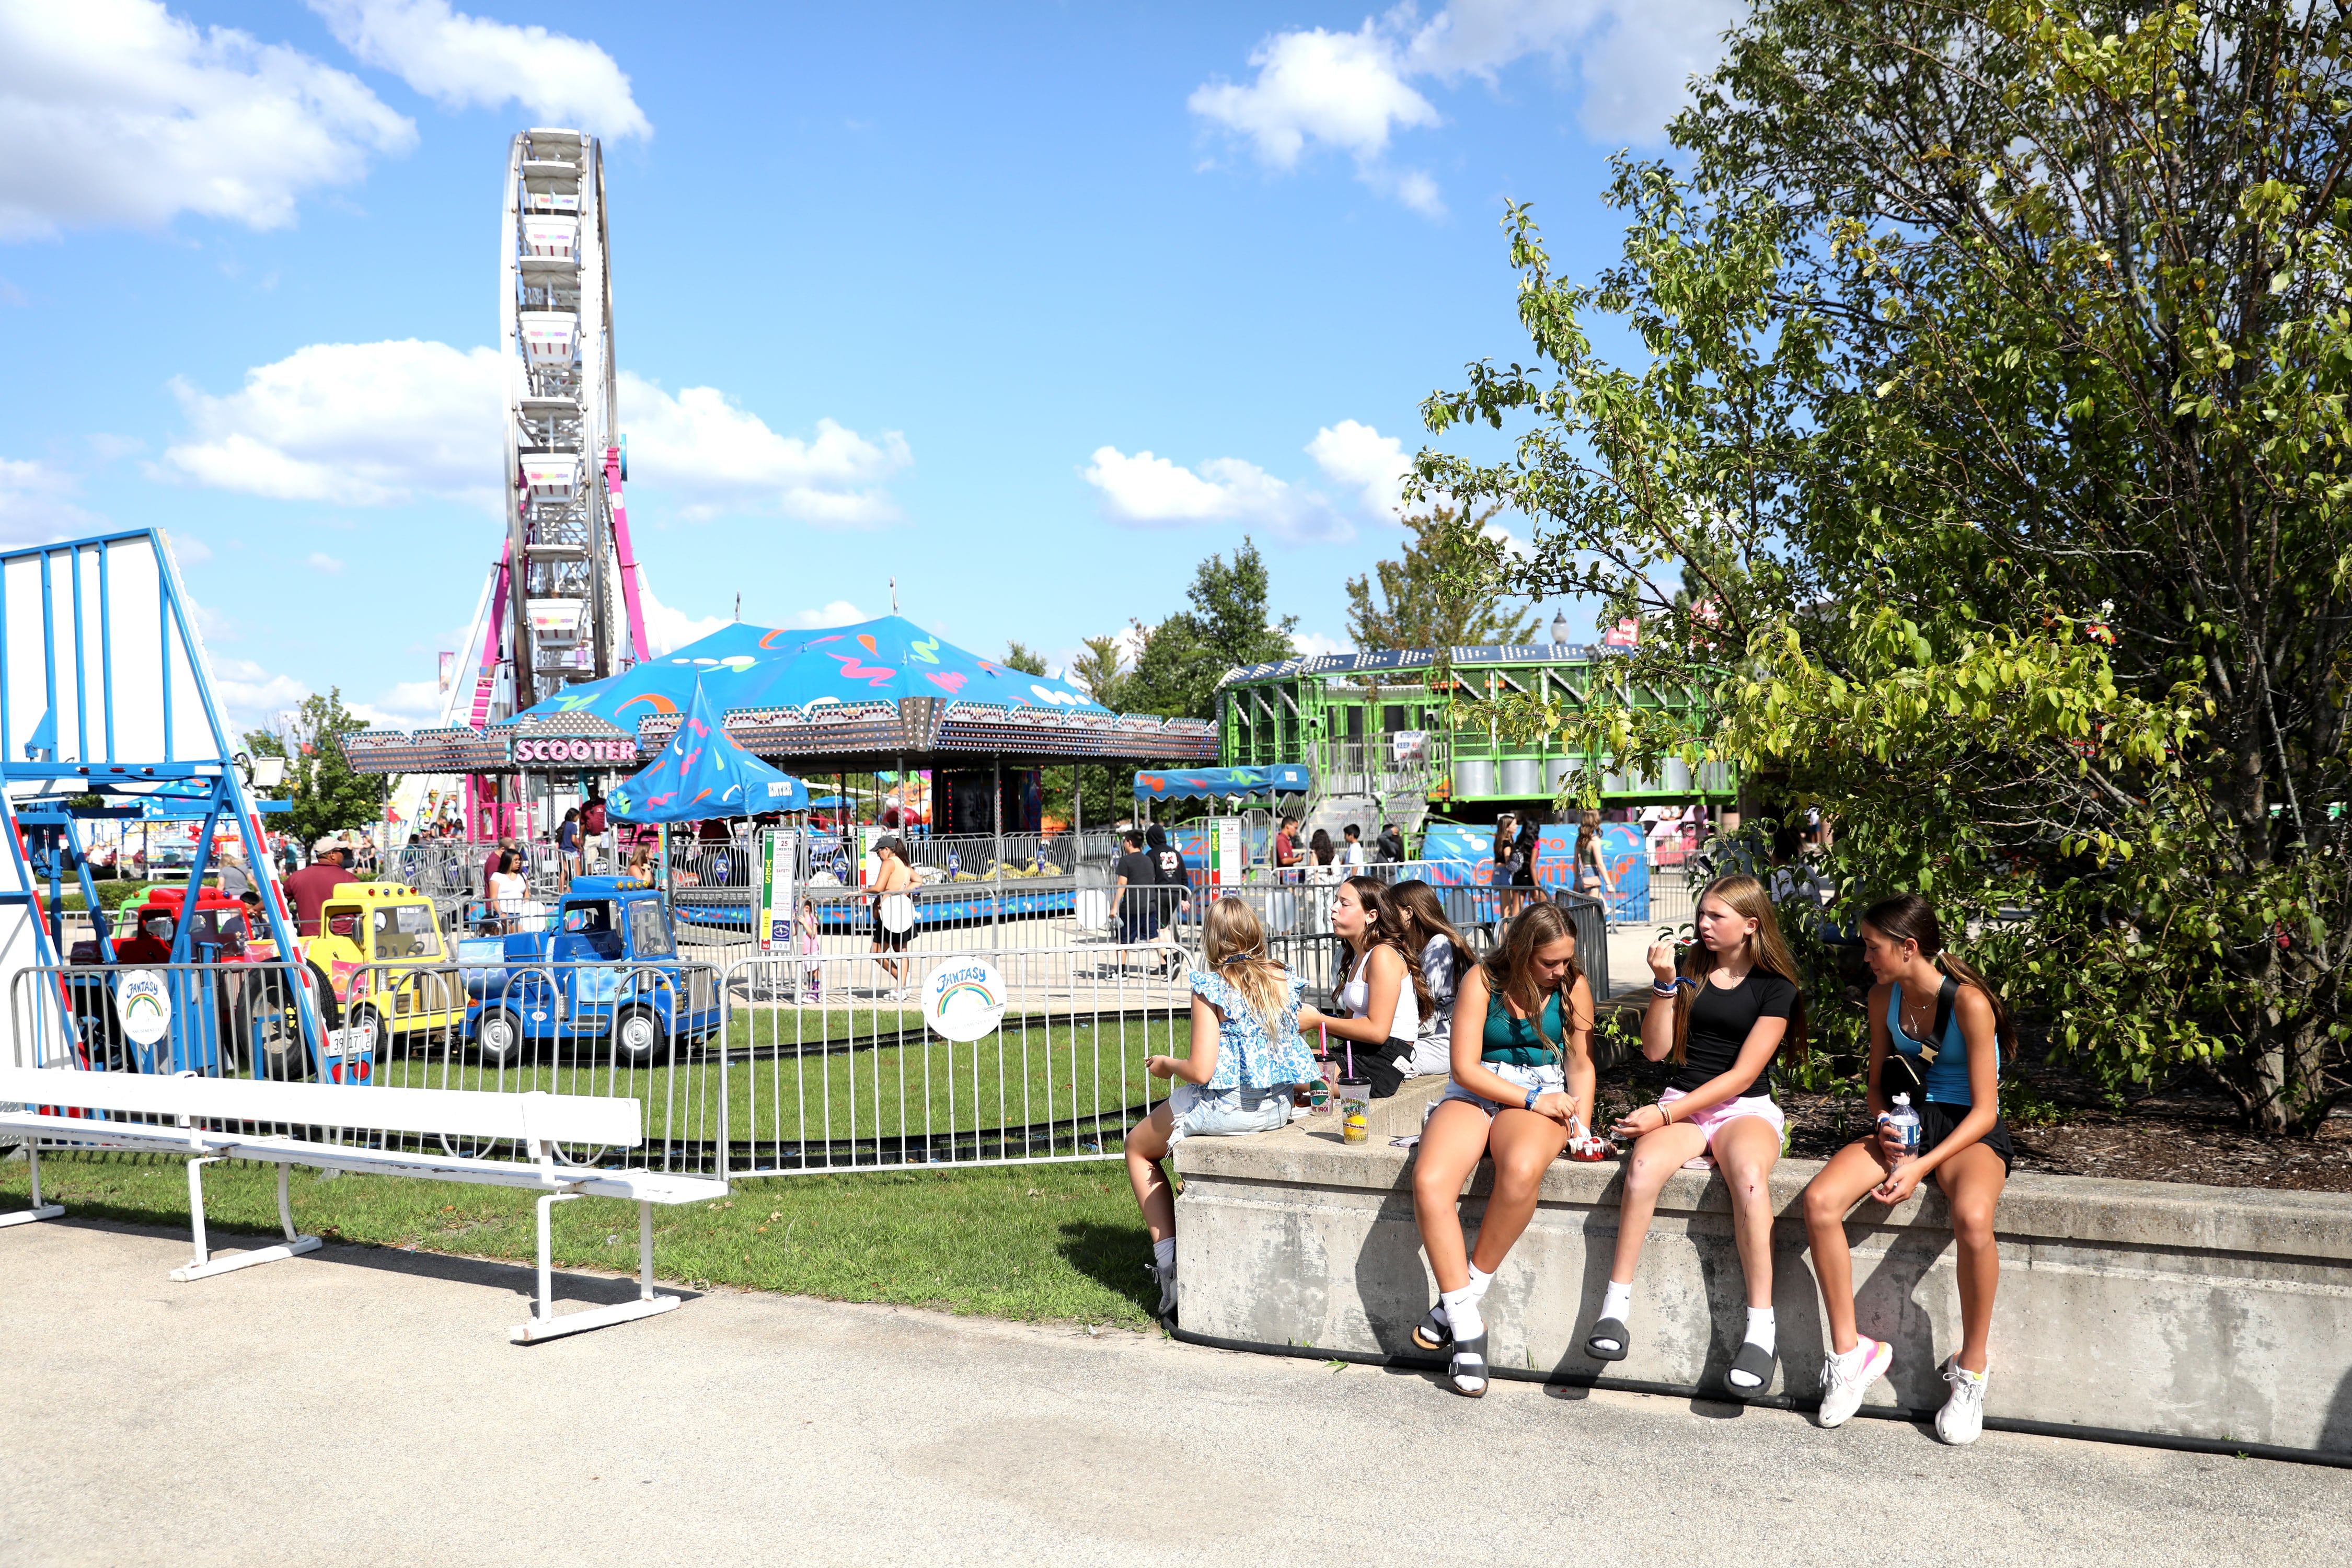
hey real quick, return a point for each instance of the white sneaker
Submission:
(1846, 1378)
(1962, 1417)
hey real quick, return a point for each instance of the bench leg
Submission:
(50, 1211)
(545, 1325)
(204, 1265)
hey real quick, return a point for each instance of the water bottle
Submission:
(1906, 1122)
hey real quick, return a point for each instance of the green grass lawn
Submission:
(1027, 1242)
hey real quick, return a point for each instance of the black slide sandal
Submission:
(1469, 1361)
(1757, 1363)
(1434, 1332)
(1612, 1328)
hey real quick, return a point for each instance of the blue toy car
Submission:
(605, 971)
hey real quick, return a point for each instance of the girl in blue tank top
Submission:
(1962, 1145)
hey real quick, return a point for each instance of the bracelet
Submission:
(1665, 1116)
(1531, 1099)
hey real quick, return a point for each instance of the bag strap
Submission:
(1943, 997)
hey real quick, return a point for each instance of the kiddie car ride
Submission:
(380, 960)
(606, 970)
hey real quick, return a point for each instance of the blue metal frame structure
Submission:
(159, 741)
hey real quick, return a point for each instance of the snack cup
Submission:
(1355, 1110)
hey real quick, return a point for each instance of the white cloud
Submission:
(37, 504)
(319, 560)
(459, 60)
(354, 424)
(1314, 645)
(1512, 544)
(117, 113)
(1155, 492)
(1347, 90)
(839, 612)
(720, 457)
(1354, 91)
(252, 695)
(1360, 457)
(668, 630)
(410, 705)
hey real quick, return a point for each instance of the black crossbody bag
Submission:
(1903, 1073)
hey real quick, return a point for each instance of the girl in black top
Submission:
(1721, 1021)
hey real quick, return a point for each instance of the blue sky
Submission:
(1032, 307)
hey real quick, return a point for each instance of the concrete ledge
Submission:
(2151, 1307)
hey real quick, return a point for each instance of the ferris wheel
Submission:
(571, 592)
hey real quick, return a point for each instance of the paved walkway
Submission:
(364, 1406)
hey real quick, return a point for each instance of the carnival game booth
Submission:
(883, 696)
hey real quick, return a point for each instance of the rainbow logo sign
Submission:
(963, 999)
(142, 1005)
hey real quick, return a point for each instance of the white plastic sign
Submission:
(142, 1005)
(963, 999)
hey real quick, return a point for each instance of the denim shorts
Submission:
(1547, 1078)
(1197, 1112)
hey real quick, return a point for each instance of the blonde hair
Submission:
(1235, 944)
(1768, 951)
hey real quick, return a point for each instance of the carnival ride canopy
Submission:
(701, 773)
(742, 666)
(1221, 784)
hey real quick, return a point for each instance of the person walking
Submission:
(509, 890)
(1936, 1024)
(1388, 849)
(1135, 877)
(1174, 899)
(1522, 1086)
(1591, 864)
(567, 844)
(1351, 852)
(1505, 877)
(1722, 1021)
(1319, 855)
(592, 825)
(1286, 850)
(1246, 1061)
(893, 913)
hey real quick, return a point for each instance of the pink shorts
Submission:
(1710, 1121)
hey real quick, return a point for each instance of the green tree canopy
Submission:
(1020, 656)
(1994, 415)
(328, 797)
(1435, 596)
(1228, 627)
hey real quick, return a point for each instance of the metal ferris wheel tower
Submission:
(562, 605)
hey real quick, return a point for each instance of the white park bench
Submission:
(202, 1123)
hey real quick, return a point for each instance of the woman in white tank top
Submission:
(1382, 997)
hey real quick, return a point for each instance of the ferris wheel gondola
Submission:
(571, 605)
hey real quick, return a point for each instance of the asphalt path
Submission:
(364, 1406)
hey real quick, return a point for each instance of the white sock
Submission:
(1618, 1301)
(1759, 1328)
(1462, 1312)
(1163, 1253)
(1479, 1281)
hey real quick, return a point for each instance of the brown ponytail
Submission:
(1908, 917)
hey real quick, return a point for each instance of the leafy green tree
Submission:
(328, 797)
(1101, 669)
(1228, 627)
(1020, 656)
(1992, 435)
(1434, 596)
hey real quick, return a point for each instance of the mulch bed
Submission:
(2181, 1133)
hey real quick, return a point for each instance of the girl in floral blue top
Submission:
(1246, 1062)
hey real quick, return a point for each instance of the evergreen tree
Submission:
(1436, 596)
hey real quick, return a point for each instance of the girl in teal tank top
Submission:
(1962, 1145)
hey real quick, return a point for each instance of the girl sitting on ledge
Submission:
(1721, 1022)
(1382, 1005)
(1246, 1062)
(1945, 1028)
(1522, 1085)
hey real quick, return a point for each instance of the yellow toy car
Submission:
(383, 966)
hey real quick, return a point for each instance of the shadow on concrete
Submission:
(2336, 1432)
(521, 1279)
